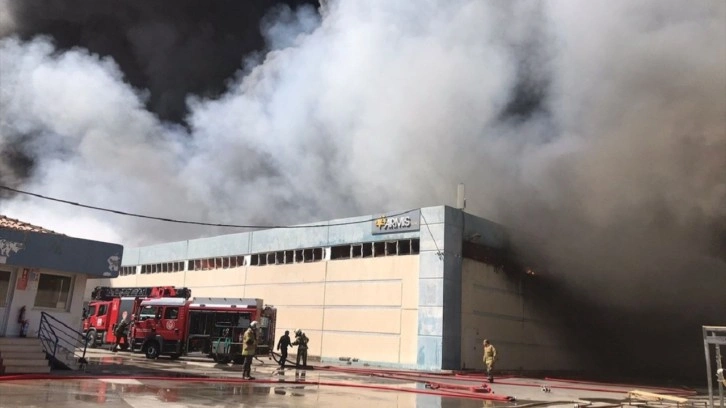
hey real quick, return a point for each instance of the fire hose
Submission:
(428, 391)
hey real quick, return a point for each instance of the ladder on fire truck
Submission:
(106, 292)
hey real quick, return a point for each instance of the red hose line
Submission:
(479, 396)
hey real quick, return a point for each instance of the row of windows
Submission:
(375, 249)
(288, 257)
(127, 270)
(224, 262)
(350, 251)
(163, 267)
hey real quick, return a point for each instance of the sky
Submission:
(594, 131)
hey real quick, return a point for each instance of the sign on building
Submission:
(386, 224)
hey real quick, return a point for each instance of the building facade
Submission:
(43, 271)
(416, 289)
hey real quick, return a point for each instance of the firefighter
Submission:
(249, 347)
(282, 346)
(120, 331)
(301, 341)
(490, 357)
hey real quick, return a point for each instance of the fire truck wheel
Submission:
(91, 338)
(152, 350)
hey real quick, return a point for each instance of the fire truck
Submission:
(212, 327)
(108, 305)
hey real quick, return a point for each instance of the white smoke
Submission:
(384, 105)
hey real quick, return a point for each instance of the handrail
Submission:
(55, 334)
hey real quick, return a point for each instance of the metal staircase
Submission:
(64, 346)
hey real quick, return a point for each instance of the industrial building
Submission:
(416, 289)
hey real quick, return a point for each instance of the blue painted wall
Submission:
(60, 253)
(329, 234)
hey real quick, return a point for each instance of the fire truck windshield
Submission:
(147, 312)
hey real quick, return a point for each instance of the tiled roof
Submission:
(12, 223)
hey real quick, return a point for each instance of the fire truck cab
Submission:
(109, 304)
(204, 326)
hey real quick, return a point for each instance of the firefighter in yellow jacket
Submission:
(490, 357)
(249, 347)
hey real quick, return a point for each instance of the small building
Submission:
(44, 271)
(412, 289)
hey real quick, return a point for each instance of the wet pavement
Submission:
(130, 380)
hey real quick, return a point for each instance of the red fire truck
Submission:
(108, 305)
(203, 326)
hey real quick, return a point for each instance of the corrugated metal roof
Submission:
(12, 223)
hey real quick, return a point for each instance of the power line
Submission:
(149, 217)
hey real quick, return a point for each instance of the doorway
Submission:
(6, 297)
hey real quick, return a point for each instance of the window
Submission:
(367, 250)
(4, 286)
(102, 309)
(340, 252)
(54, 291)
(171, 313)
(147, 312)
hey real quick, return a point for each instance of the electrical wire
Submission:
(209, 224)
(438, 251)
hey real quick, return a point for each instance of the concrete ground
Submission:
(116, 380)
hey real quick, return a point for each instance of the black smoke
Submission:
(594, 131)
(173, 49)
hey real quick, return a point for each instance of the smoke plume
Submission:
(595, 131)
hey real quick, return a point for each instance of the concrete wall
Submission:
(71, 315)
(496, 306)
(406, 311)
(360, 308)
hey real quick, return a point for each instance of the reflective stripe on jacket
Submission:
(249, 342)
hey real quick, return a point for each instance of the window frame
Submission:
(69, 299)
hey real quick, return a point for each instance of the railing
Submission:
(58, 337)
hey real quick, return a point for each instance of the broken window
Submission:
(356, 251)
(340, 252)
(415, 246)
(308, 255)
(379, 249)
(404, 247)
(367, 250)
(392, 248)
(317, 254)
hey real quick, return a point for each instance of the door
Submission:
(6, 295)
(170, 328)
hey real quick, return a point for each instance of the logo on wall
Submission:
(397, 223)
(8, 248)
(114, 264)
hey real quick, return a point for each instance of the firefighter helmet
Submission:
(253, 324)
